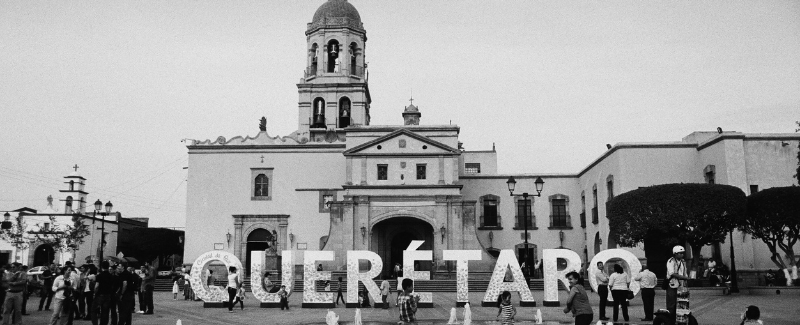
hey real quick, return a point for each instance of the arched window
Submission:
(344, 112)
(354, 68)
(319, 113)
(68, 204)
(312, 66)
(334, 63)
(262, 186)
(71, 185)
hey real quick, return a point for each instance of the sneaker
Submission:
(139, 312)
(230, 311)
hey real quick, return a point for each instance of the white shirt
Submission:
(89, 279)
(232, 280)
(59, 281)
(676, 266)
(618, 281)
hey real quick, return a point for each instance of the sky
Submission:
(115, 86)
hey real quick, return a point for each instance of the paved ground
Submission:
(709, 308)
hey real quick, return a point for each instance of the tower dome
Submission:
(336, 13)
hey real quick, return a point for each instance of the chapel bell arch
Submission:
(333, 56)
(344, 112)
(318, 110)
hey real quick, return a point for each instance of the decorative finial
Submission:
(412, 96)
(263, 124)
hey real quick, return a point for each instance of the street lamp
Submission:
(97, 206)
(512, 184)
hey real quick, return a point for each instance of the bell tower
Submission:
(333, 91)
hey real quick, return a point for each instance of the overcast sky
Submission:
(114, 86)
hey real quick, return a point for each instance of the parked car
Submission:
(35, 282)
(164, 274)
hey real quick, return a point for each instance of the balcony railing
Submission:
(560, 221)
(498, 224)
(358, 71)
(595, 220)
(519, 223)
(583, 219)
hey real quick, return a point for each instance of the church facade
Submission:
(339, 183)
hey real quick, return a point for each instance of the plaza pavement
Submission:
(709, 308)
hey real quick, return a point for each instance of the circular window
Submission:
(424, 147)
(379, 147)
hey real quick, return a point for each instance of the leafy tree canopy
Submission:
(700, 214)
(773, 215)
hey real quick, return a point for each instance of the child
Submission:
(284, 297)
(407, 303)
(339, 293)
(175, 288)
(327, 286)
(505, 310)
(240, 297)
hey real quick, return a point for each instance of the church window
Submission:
(261, 184)
(594, 209)
(583, 209)
(334, 62)
(69, 204)
(559, 211)
(489, 204)
(71, 185)
(383, 172)
(319, 113)
(344, 112)
(610, 187)
(472, 168)
(753, 189)
(325, 199)
(421, 171)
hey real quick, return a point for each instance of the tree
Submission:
(62, 238)
(773, 215)
(698, 214)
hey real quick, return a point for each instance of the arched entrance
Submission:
(44, 255)
(391, 236)
(258, 240)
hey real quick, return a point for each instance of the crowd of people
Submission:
(78, 293)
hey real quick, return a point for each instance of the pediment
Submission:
(402, 142)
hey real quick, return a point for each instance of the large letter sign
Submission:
(496, 285)
(212, 296)
(552, 274)
(353, 276)
(632, 266)
(312, 298)
(256, 276)
(462, 258)
(410, 255)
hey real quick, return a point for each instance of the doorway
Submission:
(44, 255)
(258, 240)
(392, 236)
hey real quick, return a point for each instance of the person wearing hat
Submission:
(677, 277)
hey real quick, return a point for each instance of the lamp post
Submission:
(734, 277)
(97, 206)
(512, 183)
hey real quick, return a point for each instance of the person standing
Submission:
(103, 293)
(80, 312)
(618, 283)
(12, 306)
(677, 277)
(385, 290)
(88, 290)
(647, 283)
(47, 288)
(140, 290)
(284, 297)
(233, 287)
(26, 293)
(397, 272)
(407, 303)
(5, 276)
(62, 290)
(602, 289)
(578, 300)
(339, 293)
(505, 310)
(148, 284)
(127, 292)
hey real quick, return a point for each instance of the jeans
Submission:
(583, 319)
(602, 290)
(47, 294)
(142, 307)
(620, 297)
(648, 295)
(12, 304)
(385, 299)
(672, 300)
(148, 299)
(88, 297)
(231, 297)
(340, 296)
(126, 308)
(60, 312)
(101, 309)
(80, 303)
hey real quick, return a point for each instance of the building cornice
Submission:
(619, 146)
(398, 187)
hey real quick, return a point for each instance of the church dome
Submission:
(337, 9)
(337, 13)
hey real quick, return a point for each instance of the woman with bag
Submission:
(618, 283)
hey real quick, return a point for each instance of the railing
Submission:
(358, 71)
(560, 221)
(583, 219)
(499, 222)
(519, 223)
(595, 220)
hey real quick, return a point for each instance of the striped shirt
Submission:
(408, 307)
(505, 313)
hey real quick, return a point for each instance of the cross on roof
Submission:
(76, 167)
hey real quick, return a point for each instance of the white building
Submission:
(339, 183)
